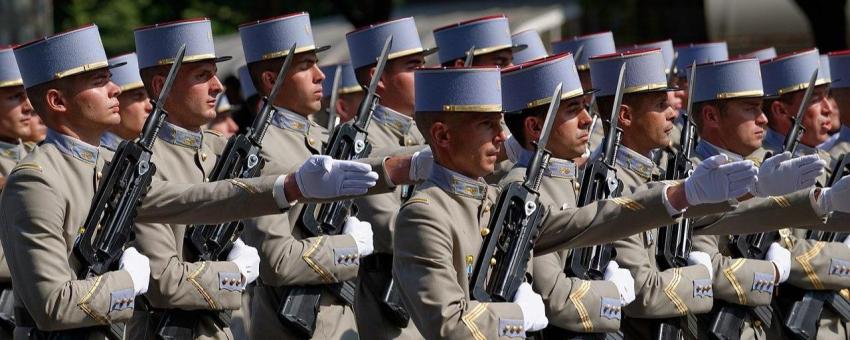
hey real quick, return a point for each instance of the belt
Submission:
(378, 262)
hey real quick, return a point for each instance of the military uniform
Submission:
(42, 211)
(177, 284)
(10, 154)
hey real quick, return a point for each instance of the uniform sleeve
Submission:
(762, 214)
(739, 281)
(439, 306)
(314, 260)
(215, 202)
(206, 285)
(818, 265)
(662, 294)
(33, 224)
(574, 304)
(602, 221)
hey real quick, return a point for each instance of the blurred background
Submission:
(746, 25)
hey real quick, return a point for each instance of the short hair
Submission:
(424, 121)
(256, 69)
(148, 73)
(696, 111)
(516, 121)
(605, 104)
(362, 74)
(37, 93)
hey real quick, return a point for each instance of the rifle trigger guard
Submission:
(359, 145)
(143, 168)
(612, 184)
(530, 207)
(252, 161)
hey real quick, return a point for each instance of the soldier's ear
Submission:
(778, 108)
(56, 101)
(533, 127)
(710, 115)
(381, 86)
(626, 115)
(267, 79)
(440, 134)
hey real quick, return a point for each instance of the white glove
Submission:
(513, 149)
(717, 180)
(781, 258)
(323, 177)
(623, 279)
(781, 174)
(533, 311)
(847, 241)
(421, 164)
(836, 198)
(361, 231)
(698, 257)
(246, 259)
(139, 267)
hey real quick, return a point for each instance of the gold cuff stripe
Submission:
(781, 201)
(469, 321)
(645, 87)
(323, 274)
(628, 203)
(575, 298)
(739, 94)
(187, 59)
(350, 89)
(801, 86)
(132, 86)
(80, 69)
(279, 54)
(547, 100)
(730, 275)
(249, 188)
(804, 261)
(84, 302)
(193, 278)
(473, 108)
(403, 53)
(670, 290)
(15, 82)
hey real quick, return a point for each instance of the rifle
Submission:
(598, 182)
(805, 313)
(515, 226)
(109, 223)
(300, 305)
(332, 115)
(470, 56)
(240, 159)
(674, 241)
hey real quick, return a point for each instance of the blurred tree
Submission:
(639, 21)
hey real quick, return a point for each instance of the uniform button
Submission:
(206, 179)
(99, 175)
(492, 261)
(487, 209)
(203, 156)
(485, 231)
(311, 141)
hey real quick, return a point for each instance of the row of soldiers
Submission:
(423, 212)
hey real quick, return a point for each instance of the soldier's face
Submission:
(571, 130)
(191, 103)
(649, 122)
(741, 124)
(816, 117)
(474, 142)
(303, 85)
(95, 98)
(501, 58)
(396, 85)
(134, 109)
(15, 113)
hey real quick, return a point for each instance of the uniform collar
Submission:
(72, 147)
(12, 151)
(844, 133)
(629, 159)
(705, 150)
(773, 139)
(805, 150)
(455, 183)
(557, 167)
(110, 140)
(393, 119)
(176, 135)
(289, 120)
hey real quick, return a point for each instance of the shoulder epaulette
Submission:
(214, 132)
(423, 200)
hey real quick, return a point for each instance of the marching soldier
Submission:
(461, 111)
(49, 192)
(392, 127)
(350, 95)
(134, 104)
(289, 256)
(489, 36)
(534, 46)
(817, 265)
(185, 153)
(834, 114)
(839, 62)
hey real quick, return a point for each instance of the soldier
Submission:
(761, 54)
(289, 256)
(185, 153)
(834, 114)
(786, 78)
(461, 109)
(841, 145)
(489, 36)
(534, 46)
(135, 106)
(392, 127)
(250, 99)
(727, 101)
(350, 95)
(49, 192)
